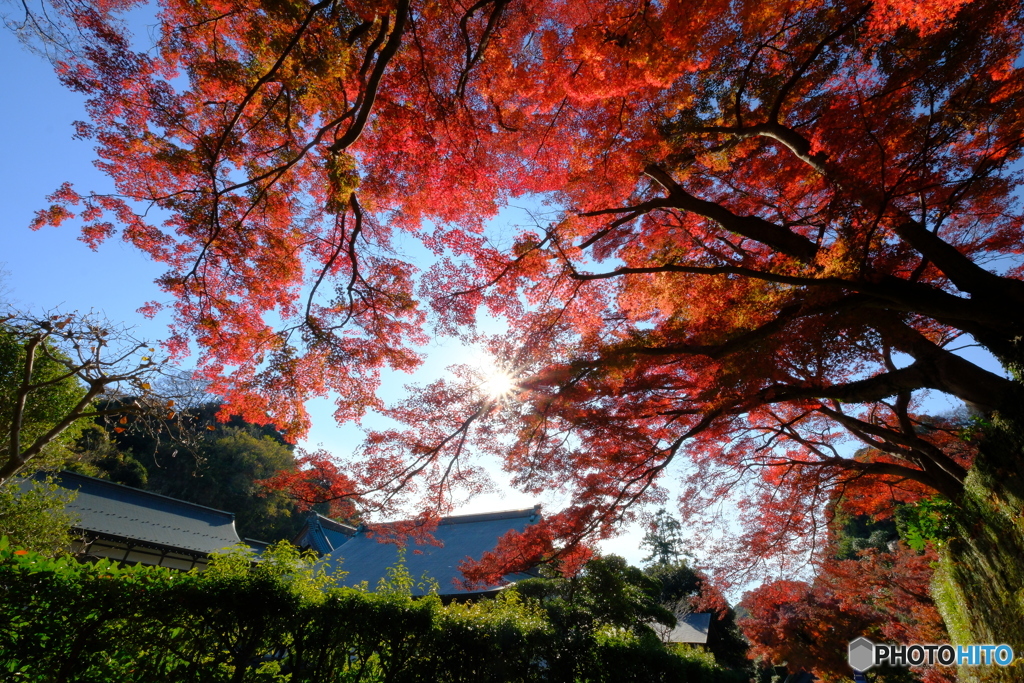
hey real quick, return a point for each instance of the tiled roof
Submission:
(110, 509)
(462, 537)
(690, 628)
(323, 534)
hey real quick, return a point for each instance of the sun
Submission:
(497, 383)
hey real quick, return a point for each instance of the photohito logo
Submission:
(863, 654)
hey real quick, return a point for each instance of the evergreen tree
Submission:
(663, 540)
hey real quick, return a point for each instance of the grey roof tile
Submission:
(111, 509)
(462, 537)
(323, 534)
(690, 628)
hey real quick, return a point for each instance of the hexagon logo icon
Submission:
(861, 654)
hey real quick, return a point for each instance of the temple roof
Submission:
(690, 628)
(113, 510)
(462, 537)
(323, 534)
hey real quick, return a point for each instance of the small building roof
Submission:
(462, 537)
(690, 628)
(323, 534)
(114, 510)
(805, 677)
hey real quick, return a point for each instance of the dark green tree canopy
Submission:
(197, 458)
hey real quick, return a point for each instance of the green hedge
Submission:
(282, 620)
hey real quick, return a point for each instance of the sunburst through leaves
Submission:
(496, 382)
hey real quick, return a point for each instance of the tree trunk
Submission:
(979, 584)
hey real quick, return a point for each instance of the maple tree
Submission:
(775, 220)
(883, 595)
(869, 583)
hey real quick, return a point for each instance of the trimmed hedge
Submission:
(283, 620)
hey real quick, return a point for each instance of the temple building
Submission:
(139, 527)
(365, 561)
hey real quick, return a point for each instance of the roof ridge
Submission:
(487, 516)
(64, 473)
(473, 517)
(320, 519)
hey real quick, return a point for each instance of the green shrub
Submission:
(33, 515)
(282, 619)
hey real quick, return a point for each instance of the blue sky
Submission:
(51, 268)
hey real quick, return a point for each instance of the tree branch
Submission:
(370, 95)
(752, 227)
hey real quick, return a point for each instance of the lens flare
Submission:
(497, 383)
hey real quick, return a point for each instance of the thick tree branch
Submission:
(922, 374)
(964, 273)
(370, 94)
(933, 455)
(751, 227)
(888, 293)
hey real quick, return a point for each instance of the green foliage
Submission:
(978, 586)
(210, 463)
(282, 619)
(33, 515)
(602, 613)
(682, 588)
(233, 462)
(397, 580)
(680, 583)
(855, 533)
(975, 428)
(608, 592)
(44, 407)
(928, 520)
(281, 563)
(100, 457)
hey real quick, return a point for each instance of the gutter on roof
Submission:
(491, 516)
